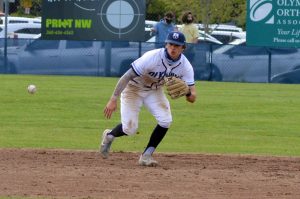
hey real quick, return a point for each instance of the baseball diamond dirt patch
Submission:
(84, 174)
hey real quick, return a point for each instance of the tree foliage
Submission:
(35, 11)
(206, 11)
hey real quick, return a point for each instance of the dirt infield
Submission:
(84, 174)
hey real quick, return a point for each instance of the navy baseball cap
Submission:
(177, 38)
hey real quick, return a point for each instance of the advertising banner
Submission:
(121, 20)
(273, 23)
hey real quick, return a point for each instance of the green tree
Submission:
(35, 9)
(155, 9)
(206, 11)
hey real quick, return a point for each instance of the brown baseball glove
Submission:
(176, 87)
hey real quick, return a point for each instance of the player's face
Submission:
(174, 50)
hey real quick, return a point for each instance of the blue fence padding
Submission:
(234, 63)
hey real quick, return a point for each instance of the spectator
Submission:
(163, 28)
(191, 33)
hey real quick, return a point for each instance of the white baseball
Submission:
(31, 89)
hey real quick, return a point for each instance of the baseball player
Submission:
(142, 85)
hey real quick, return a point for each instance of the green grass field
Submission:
(67, 113)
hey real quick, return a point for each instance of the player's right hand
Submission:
(110, 107)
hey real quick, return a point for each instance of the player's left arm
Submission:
(191, 97)
(189, 79)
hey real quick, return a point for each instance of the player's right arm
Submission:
(154, 29)
(111, 106)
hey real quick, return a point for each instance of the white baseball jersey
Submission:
(146, 88)
(153, 66)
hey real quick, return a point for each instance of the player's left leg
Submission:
(156, 137)
(159, 106)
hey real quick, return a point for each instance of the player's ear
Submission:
(184, 47)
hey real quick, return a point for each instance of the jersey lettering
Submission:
(158, 75)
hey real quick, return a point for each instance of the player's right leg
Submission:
(106, 143)
(131, 103)
(108, 137)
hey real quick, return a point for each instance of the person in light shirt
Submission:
(189, 29)
(191, 33)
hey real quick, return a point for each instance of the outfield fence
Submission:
(211, 62)
(234, 63)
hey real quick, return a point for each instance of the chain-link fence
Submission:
(211, 62)
(22, 52)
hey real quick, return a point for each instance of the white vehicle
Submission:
(38, 36)
(221, 27)
(204, 37)
(21, 30)
(227, 37)
(13, 20)
(208, 38)
(149, 23)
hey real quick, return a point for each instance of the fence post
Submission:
(107, 55)
(5, 37)
(269, 65)
(140, 48)
(210, 61)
